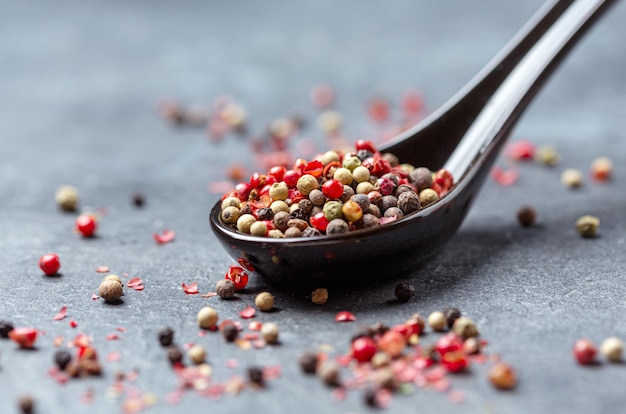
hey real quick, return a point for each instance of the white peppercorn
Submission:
(244, 222)
(587, 226)
(66, 198)
(258, 228)
(278, 206)
(343, 175)
(269, 332)
(279, 191)
(437, 321)
(572, 178)
(264, 301)
(612, 348)
(306, 184)
(197, 354)
(364, 187)
(328, 157)
(207, 317)
(360, 174)
(231, 202)
(230, 215)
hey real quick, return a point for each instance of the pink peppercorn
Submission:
(450, 342)
(86, 225)
(49, 264)
(454, 361)
(393, 343)
(291, 177)
(363, 349)
(585, 352)
(319, 221)
(332, 189)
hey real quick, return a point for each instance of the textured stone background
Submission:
(78, 84)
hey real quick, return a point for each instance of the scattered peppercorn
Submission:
(230, 332)
(404, 291)
(308, 362)
(62, 358)
(26, 404)
(437, 321)
(601, 169)
(207, 317)
(585, 351)
(612, 348)
(174, 355)
(572, 178)
(5, 328)
(464, 327)
(197, 354)
(138, 200)
(526, 216)
(50, 264)
(255, 375)
(587, 226)
(166, 336)
(269, 332)
(502, 376)
(319, 296)
(369, 396)
(451, 314)
(66, 198)
(329, 373)
(225, 289)
(547, 155)
(86, 225)
(110, 290)
(264, 301)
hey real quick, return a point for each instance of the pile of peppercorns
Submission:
(332, 194)
(385, 359)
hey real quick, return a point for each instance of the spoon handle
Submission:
(507, 103)
(423, 143)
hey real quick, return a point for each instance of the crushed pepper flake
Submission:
(102, 269)
(339, 394)
(243, 344)
(209, 295)
(245, 264)
(61, 314)
(113, 356)
(255, 325)
(134, 282)
(166, 236)
(120, 329)
(113, 337)
(94, 296)
(191, 289)
(248, 312)
(232, 363)
(259, 343)
(504, 177)
(456, 396)
(73, 323)
(58, 341)
(271, 372)
(345, 316)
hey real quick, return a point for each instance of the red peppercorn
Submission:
(363, 349)
(50, 264)
(378, 110)
(319, 221)
(365, 145)
(291, 177)
(585, 351)
(332, 189)
(24, 337)
(257, 180)
(277, 172)
(238, 276)
(454, 361)
(86, 225)
(243, 191)
(450, 342)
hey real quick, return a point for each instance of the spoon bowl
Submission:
(465, 135)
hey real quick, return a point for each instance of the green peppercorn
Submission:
(244, 222)
(587, 226)
(306, 184)
(333, 210)
(230, 215)
(428, 196)
(279, 191)
(351, 161)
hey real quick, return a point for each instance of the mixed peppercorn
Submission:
(333, 194)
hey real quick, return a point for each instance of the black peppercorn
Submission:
(174, 355)
(166, 336)
(378, 328)
(311, 232)
(306, 206)
(26, 404)
(5, 328)
(526, 216)
(265, 213)
(364, 154)
(62, 358)
(308, 362)
(230, 332)
(138, 200)
(370, 398)
(404, 291)
(255, 375)
(451, 314)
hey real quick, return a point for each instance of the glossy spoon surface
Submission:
(464, 136)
